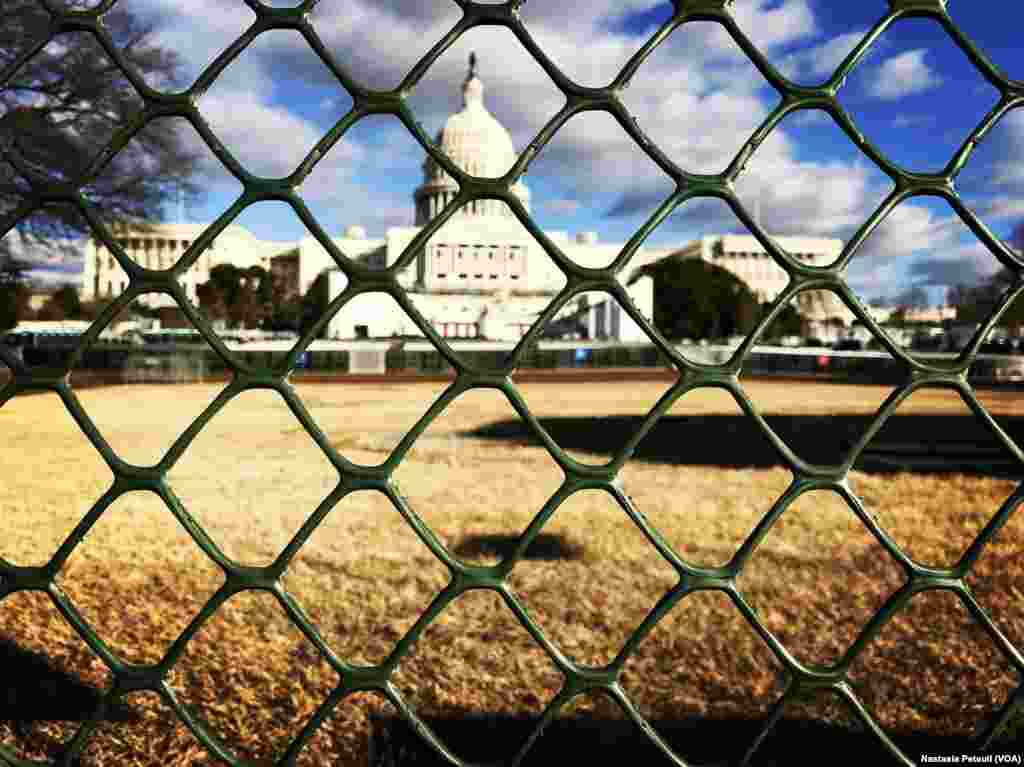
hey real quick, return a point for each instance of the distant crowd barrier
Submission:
(188, 362)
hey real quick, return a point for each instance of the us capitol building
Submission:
(482, 275)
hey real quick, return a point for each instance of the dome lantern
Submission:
(473, 88)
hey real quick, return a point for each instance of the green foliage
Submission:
(314, 304)
(64, 304)
(976, 304)
(12, 299)
(14, 293)
(787, 323)
(244, 298)
(697, 299)
(286, 317)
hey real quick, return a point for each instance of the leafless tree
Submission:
(65, 103)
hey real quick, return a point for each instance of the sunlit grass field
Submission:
(253, 476)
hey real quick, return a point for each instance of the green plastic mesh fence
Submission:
(577, 679)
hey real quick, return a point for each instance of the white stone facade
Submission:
(482, 275)
(745, 257)
(160, 246)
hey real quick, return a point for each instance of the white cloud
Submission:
(563, 207)
(268, 140)
(967, 264)
(931, 246)
(821, 61)
(41, 252)
(1006, 146)
(903, 75)
(825, 59)
(769, 26)
(911, 121)
(1002, 208)
(695, 97)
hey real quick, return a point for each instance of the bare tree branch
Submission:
(65, 104)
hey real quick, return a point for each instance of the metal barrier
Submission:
(919, 373)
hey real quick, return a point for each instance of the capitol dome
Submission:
(477, 144)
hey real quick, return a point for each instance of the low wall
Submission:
(191, 362)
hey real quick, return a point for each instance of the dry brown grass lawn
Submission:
(252, 477)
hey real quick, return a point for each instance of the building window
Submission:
(111, 264)
(462, 276)
(441, 276)
(110, 288)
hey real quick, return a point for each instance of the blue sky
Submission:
(916, 96)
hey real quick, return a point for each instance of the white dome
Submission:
(473, 139)
(476, 143)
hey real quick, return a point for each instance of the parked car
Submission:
(816, 343)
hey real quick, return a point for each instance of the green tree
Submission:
(314, 304)
(285, 317)
(64, 304)
(789, 322)
(67, 301)
(698, 299)
(976, 303)
(14, 293)
(243, 298)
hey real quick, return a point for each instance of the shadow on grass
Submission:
(919, 443)
(545, 547)
(33, 690)
(595, 741)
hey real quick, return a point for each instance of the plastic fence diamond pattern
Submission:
(799, 678)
